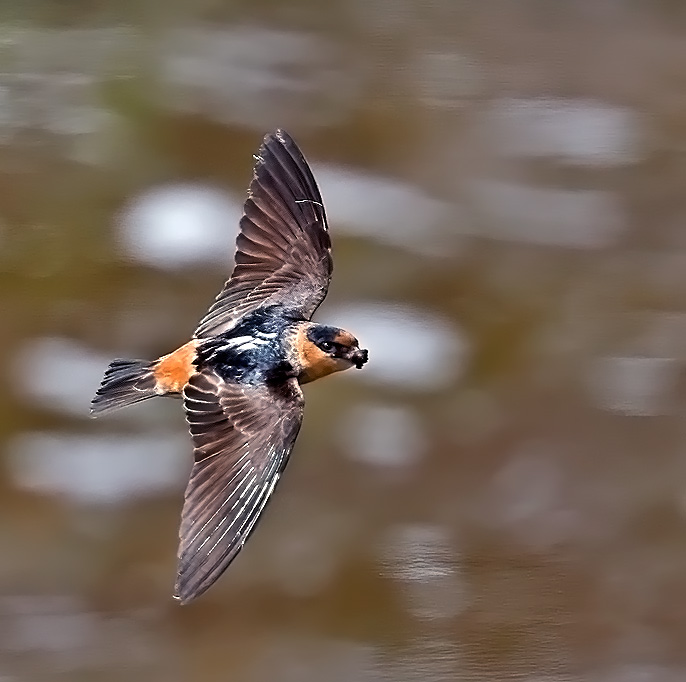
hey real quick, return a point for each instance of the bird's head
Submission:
(327, 349)
(338, 344)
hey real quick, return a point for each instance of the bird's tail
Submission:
(125, 382)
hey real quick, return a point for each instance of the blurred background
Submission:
(501, 493)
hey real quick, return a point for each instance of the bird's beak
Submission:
(359, 357)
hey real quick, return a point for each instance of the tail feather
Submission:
(125, 382)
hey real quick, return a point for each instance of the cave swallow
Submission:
(241, 372)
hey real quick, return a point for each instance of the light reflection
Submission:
(530, 497)
(642, 672)
(634, 386)
(58, 374)
(423, 561)
(178, 225)
(245, 75)
(101, 469)
(382, 435)
(292, 658)
(408, 347)
(575, 131)
(430, 659)
(386, 210)
(61, 635)
(447, 80)
(580, 219)
(306, 555)
(59, 624)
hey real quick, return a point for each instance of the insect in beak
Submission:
(359, 357)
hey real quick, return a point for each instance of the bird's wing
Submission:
(243, 435)
(283, 249)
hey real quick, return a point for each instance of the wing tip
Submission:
(185, 592)
(279, 135)
(278, 138)
(281, 165)
(189, 587)
(179, 599)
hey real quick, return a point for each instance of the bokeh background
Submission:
(501, 493)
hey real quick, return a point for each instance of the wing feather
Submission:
(243, 436)
(283, 249)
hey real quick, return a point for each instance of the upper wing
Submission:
(243, 436)
(283, 250)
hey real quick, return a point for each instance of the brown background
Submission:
(501, 494)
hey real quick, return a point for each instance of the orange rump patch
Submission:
(173, 371)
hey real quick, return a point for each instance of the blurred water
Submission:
(501, 493)
(180, 225)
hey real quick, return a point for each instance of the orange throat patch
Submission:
(173, 371)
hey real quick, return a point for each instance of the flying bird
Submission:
(241, 372)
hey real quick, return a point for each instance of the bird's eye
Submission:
(326, 346)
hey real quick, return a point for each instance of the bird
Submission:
(240, 375)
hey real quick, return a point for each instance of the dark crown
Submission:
(320, 333)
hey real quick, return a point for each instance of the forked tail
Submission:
(125, 382)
